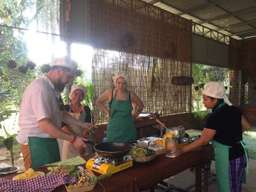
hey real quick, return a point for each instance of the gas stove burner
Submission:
(109, 165)
(112, 160)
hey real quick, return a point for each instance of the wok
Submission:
(109, 149)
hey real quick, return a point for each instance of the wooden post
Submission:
(202, 176)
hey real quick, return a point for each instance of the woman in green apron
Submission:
(224, 126)
(123, 108)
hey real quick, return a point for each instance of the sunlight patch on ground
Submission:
(11, 125)
(251, 133)
(249, 138)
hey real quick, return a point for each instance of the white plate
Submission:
(8, 170)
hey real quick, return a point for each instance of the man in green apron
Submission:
(123, 108)
(41, 117)
(224, 126)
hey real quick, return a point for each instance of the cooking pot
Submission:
(111, 149)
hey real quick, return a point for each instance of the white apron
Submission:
(68, 150)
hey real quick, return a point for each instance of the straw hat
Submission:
(63, 62)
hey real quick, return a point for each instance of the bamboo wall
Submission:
(148, 44)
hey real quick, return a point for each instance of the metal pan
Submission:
(109, 149)
(8, 170)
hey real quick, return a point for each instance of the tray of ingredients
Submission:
(142, 154)
(156, 144)
(85, 180)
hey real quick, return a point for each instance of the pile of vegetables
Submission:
(85, 180)
(28, 174)
(139, 152)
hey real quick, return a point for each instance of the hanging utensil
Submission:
(163, 127)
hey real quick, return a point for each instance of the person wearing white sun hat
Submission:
(40, 117)
(224, 126)
(216, 90)
(79, 111)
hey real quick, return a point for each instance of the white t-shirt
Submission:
(39, 101)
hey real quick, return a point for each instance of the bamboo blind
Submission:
(146, 43)
(149, 77)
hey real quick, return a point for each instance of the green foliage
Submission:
(200, 115)
(90, 94)
(11, 11)
(45, 68)
(199, 119)
(8, 142)
(15, 69)
(12, 84)
(90, 91)
(80, 80)
(12, 80)
(201, 75)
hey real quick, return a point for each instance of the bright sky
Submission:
(83, 55)
(42, 49)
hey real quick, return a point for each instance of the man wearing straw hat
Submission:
(41, 117)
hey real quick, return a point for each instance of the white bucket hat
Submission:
(216, 90)
(77, 87)
(63, 62)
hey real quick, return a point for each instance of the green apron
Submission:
(221, 154)
(247, 159)
(121, 126)
(43, 151)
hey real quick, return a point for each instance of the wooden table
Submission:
(147, 175)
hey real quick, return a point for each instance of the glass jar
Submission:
(170, 144)
(171, 147)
